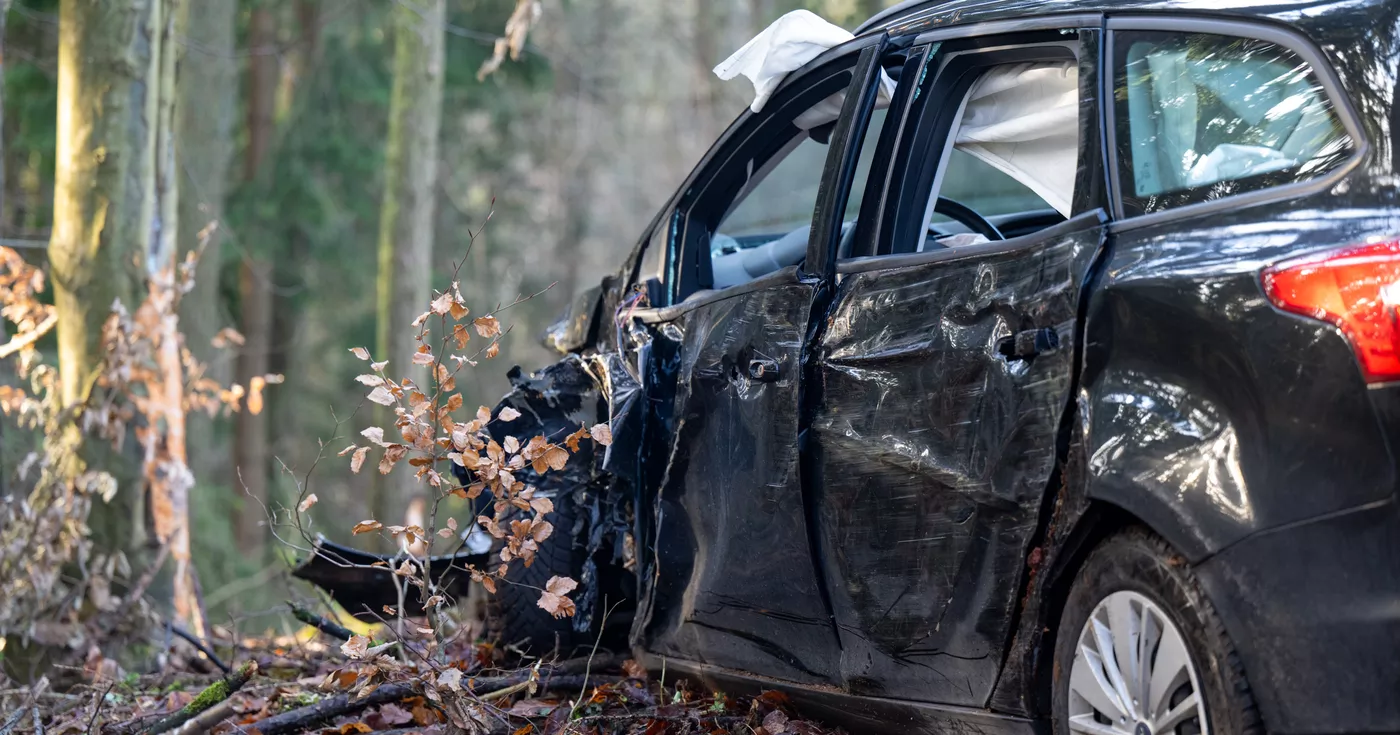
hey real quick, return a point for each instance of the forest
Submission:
(219, 220)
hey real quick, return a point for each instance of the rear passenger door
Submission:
(945, 363)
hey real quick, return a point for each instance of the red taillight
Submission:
(1357, 289)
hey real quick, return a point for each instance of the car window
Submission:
(1010, 159)
(768, 226)
(987, 189)
(1203, 116)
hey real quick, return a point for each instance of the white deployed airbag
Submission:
(782, 48)
(1023, 119)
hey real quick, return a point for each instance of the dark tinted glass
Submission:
(1202, 116)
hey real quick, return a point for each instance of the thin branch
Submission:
(24, 340)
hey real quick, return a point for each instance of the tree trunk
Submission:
(204, 122)
(406, 217)
(102, 216)
(4, 12)
(166, 463)
(250, 458)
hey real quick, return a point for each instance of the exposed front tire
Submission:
(513, 616)
(1140, 650)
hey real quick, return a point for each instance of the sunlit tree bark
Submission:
(103, 208)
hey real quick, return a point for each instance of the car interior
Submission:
(1008, 171)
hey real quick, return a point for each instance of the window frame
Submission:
(958, 62)
(1285, 38)
(706, 197)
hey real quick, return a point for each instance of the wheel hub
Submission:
(1132, 673)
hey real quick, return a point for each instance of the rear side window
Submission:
(1203, 116)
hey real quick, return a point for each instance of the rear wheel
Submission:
(1140, 650)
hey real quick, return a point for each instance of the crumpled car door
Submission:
(943, 380)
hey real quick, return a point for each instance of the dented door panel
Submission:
(735, 585)
(942, 380)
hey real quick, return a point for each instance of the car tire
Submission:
(514, 618)
(1134, 582)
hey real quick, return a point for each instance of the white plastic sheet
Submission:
(784, 47)
(1023, 119)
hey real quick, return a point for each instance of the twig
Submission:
(38, 723)
(97, 708)
(24, 340)
(506, 692)
(588, 667)
(212, 695)
(11, 723)
(325, 625)
(201, 646)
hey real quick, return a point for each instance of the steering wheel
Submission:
(967, 216)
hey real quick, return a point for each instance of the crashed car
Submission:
(1011, 366)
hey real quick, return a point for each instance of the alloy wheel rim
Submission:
(1132, 673)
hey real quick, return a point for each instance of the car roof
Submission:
(918, 15)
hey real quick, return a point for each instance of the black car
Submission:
(1054, 389)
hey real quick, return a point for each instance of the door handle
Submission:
(763, 370)
(1028, 344)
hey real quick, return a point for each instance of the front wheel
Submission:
(1140, 650)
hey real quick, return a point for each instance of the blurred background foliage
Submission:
(572, 148)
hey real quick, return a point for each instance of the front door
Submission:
(735, 584)
(945, 366)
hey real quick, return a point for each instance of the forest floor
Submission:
(312, 684)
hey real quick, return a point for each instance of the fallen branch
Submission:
(13, 722)
(212, 695)
(485, 688)
(325, 625)
(326, 709)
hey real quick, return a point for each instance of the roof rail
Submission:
(889, 13)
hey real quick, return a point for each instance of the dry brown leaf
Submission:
(306, 503)
(255, 398)
(493, 350)
(382, 396)
(374, 434)
(357, 460)
(542, 505)
(602, 433)
(487, 326)
(392, 454)
(451, 679)
(460, 335)
(508, 414)
(356, 647)
(360, 352)
(454, 402)
(366, 527)
(554, 601)
(348, 450)
(442, 304)
(370, 380)
(557, 458)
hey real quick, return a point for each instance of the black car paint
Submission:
(1243, 435)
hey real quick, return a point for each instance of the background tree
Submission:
(206, 104)
(407, 214)
(104, 204)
